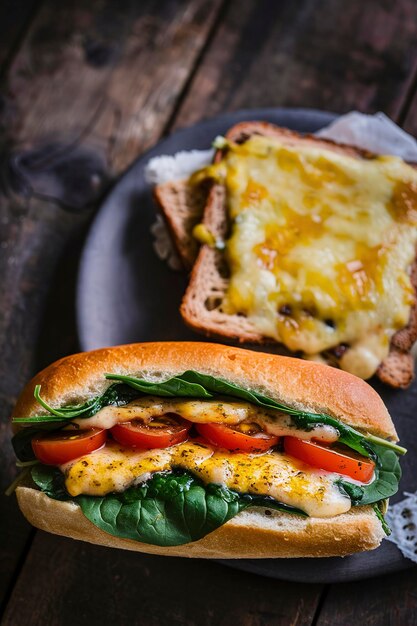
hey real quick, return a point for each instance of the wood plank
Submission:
(310, 53)
(15, 17)
(116, 68)
(128, 588)
(410, 115)
(386, 600)
(91, 87)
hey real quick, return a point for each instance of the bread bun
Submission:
(304, 385)
(253, 533)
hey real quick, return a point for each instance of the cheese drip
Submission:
(114, 469)
(321, 246)
(206, 411)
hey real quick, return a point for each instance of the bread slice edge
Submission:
(252, 534)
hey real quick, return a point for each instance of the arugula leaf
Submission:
(67, 412)
(170, 509)
(116, 395)
(385, 485)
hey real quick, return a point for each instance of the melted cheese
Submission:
(321, 247)
(206, 411)
(114, 468)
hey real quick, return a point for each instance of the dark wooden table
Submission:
(86, 87)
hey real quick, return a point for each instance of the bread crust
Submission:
(251, 534)
(297, 383)
(206, 282)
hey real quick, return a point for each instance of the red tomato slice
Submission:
(325, 458)
(241, 437)
(161, 432)
(66, 445)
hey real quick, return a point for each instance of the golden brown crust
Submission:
(207, 284)
(241, 132)
(300, 384)
(397, 369)
(251, 534)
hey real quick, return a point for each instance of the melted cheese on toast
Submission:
(320, 247)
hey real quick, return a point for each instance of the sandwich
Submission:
(204, 450)
(305, 243)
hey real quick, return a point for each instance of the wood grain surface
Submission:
(126, 588)
(307, 53)
(91, 86)
(88, 87)
(385, 600)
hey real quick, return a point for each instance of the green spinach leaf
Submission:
(385, 485)
(380, 516)
(51, 481)
(196, 385)
(174, 387)
(170, 509)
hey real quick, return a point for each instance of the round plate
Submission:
(127, 294)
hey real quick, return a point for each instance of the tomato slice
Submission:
(161, 432)
(241, 437)
(317, 455)
(66, 445)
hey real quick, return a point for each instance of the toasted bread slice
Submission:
(182, 206)
(209, 278)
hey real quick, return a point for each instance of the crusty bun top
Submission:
(300, 384)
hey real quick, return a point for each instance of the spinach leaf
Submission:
(51, 481)
(174, 387)
(196, 385)
(385, 485)
(222, 387)
(170, 509)
(380, 516)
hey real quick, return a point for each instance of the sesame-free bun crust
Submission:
(252, 533)
(300, 384)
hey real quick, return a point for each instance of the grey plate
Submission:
(126, 294)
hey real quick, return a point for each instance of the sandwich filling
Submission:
(320, 247)
(206, 446)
